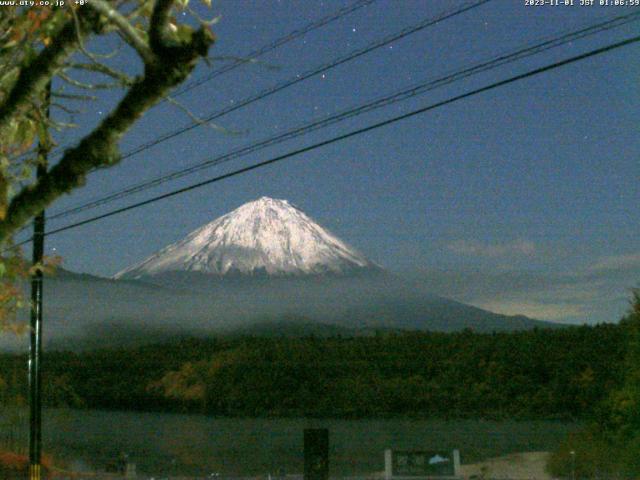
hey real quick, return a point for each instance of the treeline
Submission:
(559, 373)
(609, 445)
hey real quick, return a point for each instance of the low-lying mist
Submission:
(82, 311)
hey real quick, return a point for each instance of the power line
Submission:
(310, 73)
(352, 112)
(251, 56)
(346, 136)
(428, 22)
(275, 44)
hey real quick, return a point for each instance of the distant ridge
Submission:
(264, 269)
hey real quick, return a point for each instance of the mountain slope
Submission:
(266, 268)
(264, 236)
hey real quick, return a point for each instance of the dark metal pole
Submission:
(35, 345)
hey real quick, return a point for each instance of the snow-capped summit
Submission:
(266, 235)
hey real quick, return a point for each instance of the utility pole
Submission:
(35, 345)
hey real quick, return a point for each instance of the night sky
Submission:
(519, 200)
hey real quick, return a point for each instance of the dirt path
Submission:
(516, 466)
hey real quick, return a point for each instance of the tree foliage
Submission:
(540, 374)
(44, 46)
(621, 414)
(610, 445)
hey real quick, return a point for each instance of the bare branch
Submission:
(87, 86)
(91, 56)
(105, 70)
(60, 126)
(36, 74)
(65, 109)
(71, 96)
(126, 30)
(201, 20)
(200, 121)
(173, 62)
(111, 54)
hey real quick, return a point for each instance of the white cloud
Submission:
(518, 247)
(585, 295)
(596, 291)
(616, 262)
(533, 309)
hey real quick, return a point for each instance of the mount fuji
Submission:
(267, 260)
(266, 236)
(264, 268)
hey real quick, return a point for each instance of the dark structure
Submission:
(316, 454)
(35, 340)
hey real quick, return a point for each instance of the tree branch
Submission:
(157, 25)
(173, 62)
(103, 69)
(71, 96)
(87, 86)
(128, 32)
(201, 121)
(36, 75)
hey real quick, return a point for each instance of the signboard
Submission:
(421, 463)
